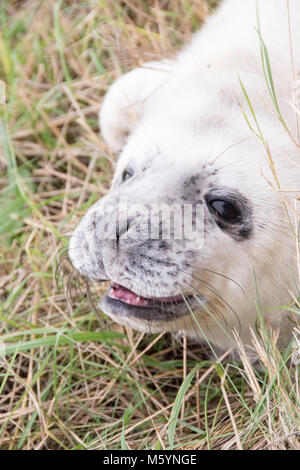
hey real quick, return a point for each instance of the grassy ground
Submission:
(70, 380)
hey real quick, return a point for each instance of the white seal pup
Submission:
(181, 129)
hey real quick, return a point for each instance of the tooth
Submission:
(112, 293)
(138, 299)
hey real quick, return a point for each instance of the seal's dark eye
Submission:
(225, 210)
(127, 174)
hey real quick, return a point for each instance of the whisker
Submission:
(220, 297)
(90, 298)
(215, 309)
(229, 148)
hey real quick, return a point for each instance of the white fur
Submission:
(189, 110)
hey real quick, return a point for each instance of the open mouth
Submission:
(122, 303)
(121, 293)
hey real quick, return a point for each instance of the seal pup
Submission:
(182, 128)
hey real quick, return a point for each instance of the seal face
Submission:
(192, 231)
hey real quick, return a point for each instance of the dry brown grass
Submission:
(70, 380)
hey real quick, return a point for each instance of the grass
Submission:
(70, 379)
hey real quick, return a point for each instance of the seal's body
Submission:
(183, 130)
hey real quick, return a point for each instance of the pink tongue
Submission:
(127, 296)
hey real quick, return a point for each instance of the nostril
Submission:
(121, 229)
